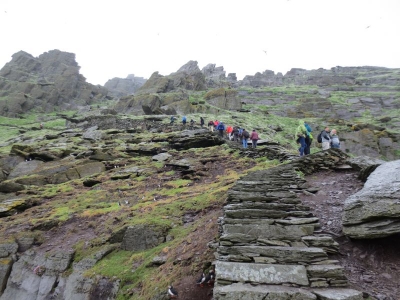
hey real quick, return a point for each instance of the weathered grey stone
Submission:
(9, 248)
(93, 134)
(161, 157)
(375, 210)
(5, 270)
(297, 221)
(325, 242)
(9, 186)
(58, 261)
(275, 232)
(25, 168)
(240, 291)
(24, 243)
(326, 271)
(261, 273)
(365, 165)
(338, 294)
(46, 285)
(279, 254)
(142, 237)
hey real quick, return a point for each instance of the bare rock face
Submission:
(48, 82)
(165, 94)
(374, 212)
(215, 76)
(119, 87)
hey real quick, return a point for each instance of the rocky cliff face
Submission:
(46, 83)
(119, 87)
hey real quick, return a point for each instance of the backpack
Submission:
(319, 137)
(246, 134)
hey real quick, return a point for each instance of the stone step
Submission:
(260, 205)
(264, 213)
(326, 271)
(232, 272)
(239, 196)
(240, 291)
(325, 242)
(273, 231)
(337, 294)
(274, 254)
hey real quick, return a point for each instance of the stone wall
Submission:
(270, 246)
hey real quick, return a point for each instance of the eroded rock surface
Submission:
(374, 211)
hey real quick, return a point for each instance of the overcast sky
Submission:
(115, 38)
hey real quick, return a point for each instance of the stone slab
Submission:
(338, 294)
(240, 291)
(261, 273)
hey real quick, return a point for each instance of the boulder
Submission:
(142, 237)
(365, 165)
(9, 186)
(374, 211)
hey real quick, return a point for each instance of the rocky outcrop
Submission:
(39, 277)
(46, 83)
(176, 93)
(374, 211)
(119, 87)
(270, 239)
(142, 237)
(215, 76)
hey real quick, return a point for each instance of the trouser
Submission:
(211, 127)
(303, 145)
(254, 143)
(326, 145)
(244, 143)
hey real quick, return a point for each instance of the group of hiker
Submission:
(232, 133)
(328, 138)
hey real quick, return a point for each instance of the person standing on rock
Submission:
(201, 122)
(335, 142)
(221, 129)
(245, 137)
(254, 138)
(308, 139)
(229, 130)
(184, 120)
(326, 139)
(300, 136)
(211, 126)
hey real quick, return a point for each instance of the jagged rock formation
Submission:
(171, 94)
(46, 83)
(374, 212)
(269, 239)
(119, 87)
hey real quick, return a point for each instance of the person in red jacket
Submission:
(229, 130)
(254, 138)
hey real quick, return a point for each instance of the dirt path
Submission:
(372, 266)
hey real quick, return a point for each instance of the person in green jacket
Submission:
(300, 136)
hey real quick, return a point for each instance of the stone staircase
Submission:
(270, 247)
